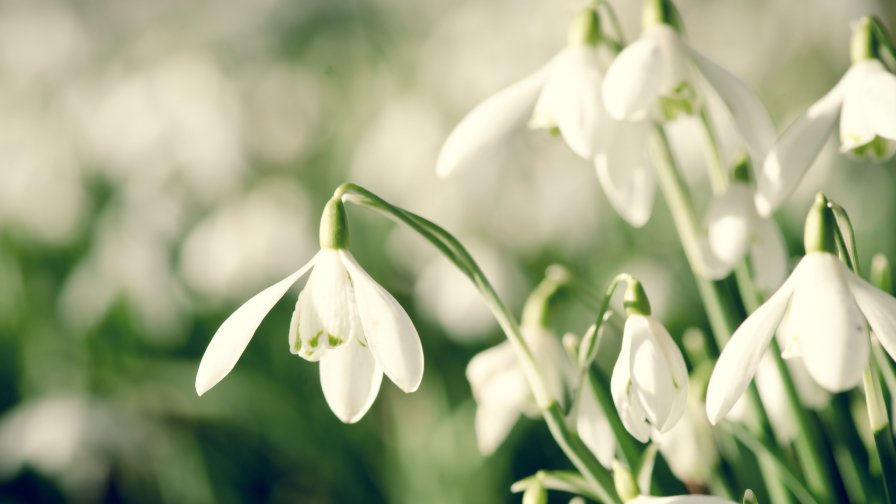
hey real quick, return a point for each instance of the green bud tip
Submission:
(635, 299)
(864, 44)
(535, 494)
(625, 483)
(750, 497)
(741, 172)
(882, 273)
(820, 227)
(657, 12)
(334, 225)
(584, 29)
(536, 311)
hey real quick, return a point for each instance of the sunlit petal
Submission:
(658, 372)
(627, 405)
(231, 339)
(489, 122)
(729, 223)
(350, 378)
(625, 173)
(594, 427)
(634, 80)
(389, 331)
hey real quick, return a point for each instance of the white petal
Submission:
(768, 256)
(624, 397)
(856, 129)
(750, 116)
(489, 123)
(389, 331)
(796, 150)
(594, 427)
(231, 339)
(634, 80)
(489, 363)
(658, 372)
(492, 425)
(327, 315)
(878, 92)
(625, 173)
(825, 327)
(350, 378)
(729, 223)
(571, 99)
(740, 358)
(680, 499)
(879, 308)
(552, 360)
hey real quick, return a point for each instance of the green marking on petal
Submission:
(315, 340)
(681, 101)
(333, 340)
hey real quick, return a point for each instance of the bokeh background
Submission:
(161, 161)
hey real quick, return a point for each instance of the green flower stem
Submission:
(719, 307)
(569, 442)
(848, 449)
(564, 481)
(588, 348)
(807, 443)
(844, 235)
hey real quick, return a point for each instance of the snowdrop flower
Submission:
(343, 319)
(864, 101)
(829, 310)
(564, 96)
(592, 423)
(660, 76)
(650, 380)
(689, 447)
(679, 499)
(496, 377)
(735, 229)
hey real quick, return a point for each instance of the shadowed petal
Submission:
(879, 308)
(231, 339)
(594, 427)
(489, 122)
(350, 379)
(624, 172)
(740, 358)
(729, 223)
(390, 334)
(768, 256)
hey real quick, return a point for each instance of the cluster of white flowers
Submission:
(610, 104)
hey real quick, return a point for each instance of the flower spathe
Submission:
(343, 319)
(650, 380)
(829, 311)
(864, 101)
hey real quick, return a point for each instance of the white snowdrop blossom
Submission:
(828, 309)
(564, 95)
(500, 388)
(659, 76)
(689, 447)
(650, 380)
(735, 229)
(864, 101)
(344, 320)
(679, 499)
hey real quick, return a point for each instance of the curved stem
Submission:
(569, 442)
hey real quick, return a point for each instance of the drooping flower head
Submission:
(864, 102)
(650, 380)
(343, 319)
(829, 311)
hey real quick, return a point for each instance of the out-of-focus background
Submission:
(162, 161)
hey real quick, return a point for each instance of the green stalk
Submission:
(579, 454)
(719, 307)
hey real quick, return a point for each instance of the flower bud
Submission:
(535, 494)
(626, 486)
(863, 45)
(660, 12)
(635, 299)
(584, 29)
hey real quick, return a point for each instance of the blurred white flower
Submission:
(864, 101)
(594, 427)
(679, 499)
(500, 388)
(660, 76)
(342, 318)
(735, 229)
(650, 379)
(689, 446)
(829, 310)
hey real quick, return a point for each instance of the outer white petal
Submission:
(856, 128)
(750, 116)
(729, 223)
(740, 358)
(350, 378)
(594, 427)
(231, 339)
(552, 360)
(492, 425)
(878, 91)
(624, 397)
(680, 499)
(625, 173)
(489, 122)
(768, 255)
(571, 99)
(658, 372)
(797, 148)
(825, 327)
(489, 363)
(634, 80)
(879, 308)
(499, 402)
(689, 447)
(327, 311)
(389, 331)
